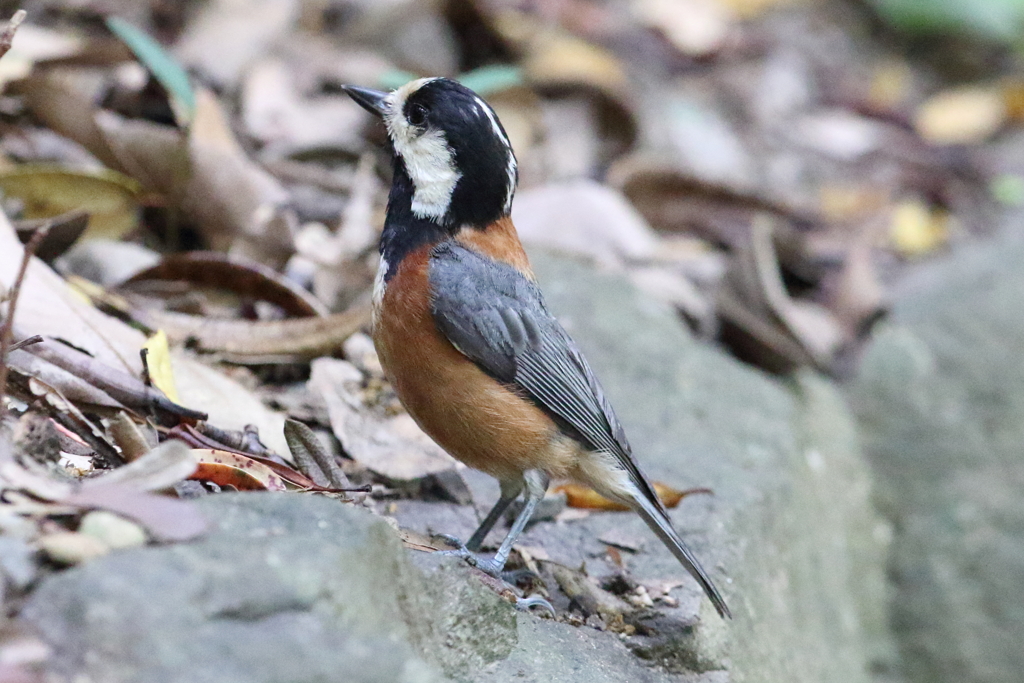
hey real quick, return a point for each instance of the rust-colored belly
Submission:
(468, 413)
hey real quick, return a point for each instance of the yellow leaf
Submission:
(159, 361)
(46, 190)
(961, 116)
(916, 229)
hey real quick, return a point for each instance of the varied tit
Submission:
(464, 335)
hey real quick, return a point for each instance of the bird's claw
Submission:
(526, 604)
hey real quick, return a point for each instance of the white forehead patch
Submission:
(510, 167)
(427, 156)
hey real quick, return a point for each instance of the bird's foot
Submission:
(490, 567)
(485, 564)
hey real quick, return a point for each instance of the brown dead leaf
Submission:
(239, 205)
(811, 324)
(247, 279)
(160, 468)
(239, 472)
(236, 204)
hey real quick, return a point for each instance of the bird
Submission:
(463, 332)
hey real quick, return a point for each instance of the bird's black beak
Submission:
(373, 101)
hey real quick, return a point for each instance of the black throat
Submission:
(404, 232)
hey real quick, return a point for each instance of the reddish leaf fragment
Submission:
(237, 471)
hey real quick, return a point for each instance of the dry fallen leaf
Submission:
(49, 308)
(694, 27)
(228, 469)
(229, 404)
(584, 217)
(917, 229)
(579, 496)
(965, 115)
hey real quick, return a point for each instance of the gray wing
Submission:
(496, 317)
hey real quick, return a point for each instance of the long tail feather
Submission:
(661, 526)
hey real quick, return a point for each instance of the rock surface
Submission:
(299, 588)
(289, 588)
(941, 403)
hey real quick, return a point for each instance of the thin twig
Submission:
(7, 34)
(29, 341)
(8, 325)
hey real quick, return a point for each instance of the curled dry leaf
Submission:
(228, 469)
(763, 323)
(239, 275)
(160, 468)
(260, 342)
(191, 436)
(65, 230)
(204, 171)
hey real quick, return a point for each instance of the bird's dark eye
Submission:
(417, 115)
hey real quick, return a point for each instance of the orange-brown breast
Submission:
(500, 241)
(471, 415)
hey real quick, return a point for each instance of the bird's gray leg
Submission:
(509, 492)
(536, 486)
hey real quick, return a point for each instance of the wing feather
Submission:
(497, 318)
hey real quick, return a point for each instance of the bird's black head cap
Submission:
(454, 164)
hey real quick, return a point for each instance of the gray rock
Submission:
(288, 588)
(941, 403)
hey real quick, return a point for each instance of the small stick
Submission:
(29, 341)
(7, 34)
(8, 326)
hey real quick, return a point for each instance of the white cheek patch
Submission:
(510, 168)
(427, 156)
